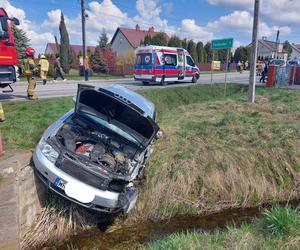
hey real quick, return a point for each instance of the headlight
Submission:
(48, 151)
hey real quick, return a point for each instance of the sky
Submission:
(200, 20)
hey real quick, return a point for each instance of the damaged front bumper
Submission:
(101, 201)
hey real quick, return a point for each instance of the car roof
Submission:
(147, 106)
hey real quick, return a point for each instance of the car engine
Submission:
(106, 151)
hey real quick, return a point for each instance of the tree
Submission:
(64, 45)
(110, 58)
(242, 53)
(288, 48)
(21, 40)
(127, 57)
(208, 52)
(103, 40)
(191, 48)
(200, 52)
(184, 43)
(159, 39)
(97, 63)
(147, 40)
(174, 41)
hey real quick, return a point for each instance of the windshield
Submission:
(110, 126)
(3, 27)
(277, 62)
(143, 59)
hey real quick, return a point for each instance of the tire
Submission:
(194, 79)
(145, 83)
(163, 82)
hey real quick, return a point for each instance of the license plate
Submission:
(60, 183)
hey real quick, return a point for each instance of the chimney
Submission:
(151, 30)
(137, 27)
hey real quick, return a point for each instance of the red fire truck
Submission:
(8, 52)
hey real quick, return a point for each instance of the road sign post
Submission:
(222, 44)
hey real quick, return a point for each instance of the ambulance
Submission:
(160, 64)
(8, 51)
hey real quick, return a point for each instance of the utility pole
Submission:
(252, 79)
(84, 54)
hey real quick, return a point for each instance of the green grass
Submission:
(247, 236)
(216, 152)
(74, 75)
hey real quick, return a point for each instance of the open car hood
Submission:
(110, 106)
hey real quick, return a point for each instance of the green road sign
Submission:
(222, 43)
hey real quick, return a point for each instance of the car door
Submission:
(181, 64)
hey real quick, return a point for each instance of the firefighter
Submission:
(2, 117)
(29, 70)
(44, 64)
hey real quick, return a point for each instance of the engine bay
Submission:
(107, 151)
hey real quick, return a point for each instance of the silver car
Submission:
(95, 152)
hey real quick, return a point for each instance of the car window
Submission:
(3, 26)
(143, 59)
(190, 61)
(170, 59)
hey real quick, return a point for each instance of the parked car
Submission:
(294, 63)
(94, 153)
(278, 62)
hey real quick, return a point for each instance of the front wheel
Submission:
(194, 79)
(163, 82)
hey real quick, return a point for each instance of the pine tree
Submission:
(64, 45)
(288, 48)
(147, 40)
(200, 52)
(184, 43)
(208, 52)
(21, 40)
(159, 39)
(103, 40)
(174, 42)
(191, 48)
(97, 63)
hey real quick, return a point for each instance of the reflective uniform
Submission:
(29, 68)
(44, 69)
(2, 117)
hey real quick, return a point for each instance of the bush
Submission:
(282, 220)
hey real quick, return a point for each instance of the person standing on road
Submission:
(29, 70)
(238, 66)
(44, 64)
(264, 73)
(57, 67)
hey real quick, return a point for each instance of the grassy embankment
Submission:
(279, 228)
(217, 152)
(74, 75)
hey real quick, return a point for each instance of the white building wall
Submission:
(295, 54)
(121, 44)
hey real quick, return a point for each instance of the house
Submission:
(51, 48)
(295, 51)
(126, 39)
(270, 50)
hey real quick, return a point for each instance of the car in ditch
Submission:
(95, 153)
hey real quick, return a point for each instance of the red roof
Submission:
(135, 36)
(75, 48)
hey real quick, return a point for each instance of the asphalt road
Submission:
(69, 88)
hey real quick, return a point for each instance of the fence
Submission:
(286, 76)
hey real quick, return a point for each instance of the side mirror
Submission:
(74, 99)
(15, 21)
(159, 135)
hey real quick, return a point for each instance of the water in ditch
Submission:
(131, 236)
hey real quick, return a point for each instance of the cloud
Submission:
(242, 22)
(277, 10)
(38, 39)
(190, 29)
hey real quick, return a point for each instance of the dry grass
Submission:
(56, 222)
(223, 154)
